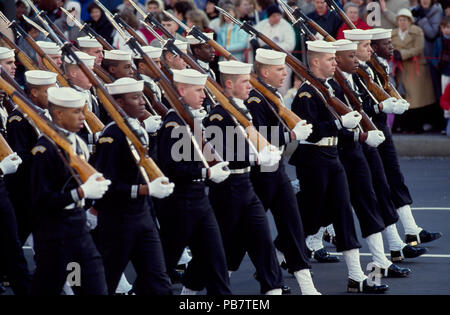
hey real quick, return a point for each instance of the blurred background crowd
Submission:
(420, 38)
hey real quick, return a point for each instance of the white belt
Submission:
(240, 170)
(198, 180)
(324, 142)
(79, 204)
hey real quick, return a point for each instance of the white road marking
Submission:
(425, 255)
(431, 208)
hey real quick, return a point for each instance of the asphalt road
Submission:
(429, 183)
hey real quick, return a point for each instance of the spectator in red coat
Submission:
(352, 10)
(445, 104)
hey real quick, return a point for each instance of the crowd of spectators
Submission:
(421, 38)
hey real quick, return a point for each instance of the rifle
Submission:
(122, 120)
(337, 108)
(374, 61)
(5, 149)
(374, 88)
(172, 95)
(300, 23)
(83, 168)
(27, 62)
(89, 30)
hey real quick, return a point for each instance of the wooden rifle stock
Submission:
(5, 149)
(83, 168)
(118, 115)
(27, 62)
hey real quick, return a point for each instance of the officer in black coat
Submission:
(22, 137)
(239, 211)
(373, 216)
(325, 192)
(126, 229)
(61, 239)
(381, 44)
(186, 217)
(273, 187)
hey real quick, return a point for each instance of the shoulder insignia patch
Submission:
(173, 124)
(39, 148)
(254, 99)
(216, 116)
(105, 140)
(305, 94)
(15, 117)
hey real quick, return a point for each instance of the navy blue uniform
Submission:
(186, 217)
(275, 189)
(399, 191)
(61, 236)
(239, 211)
(324, 197)
(22, 137)
(126, 230)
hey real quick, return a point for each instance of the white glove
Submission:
(159, 190)
(91, 220)
(401, 106)
(269, 156)
(94, 189)
(351, 120)
(199, 113)
(302, 130)
(217, 174)
(389, 105)
(375, 138)
(153, 123)
(10, 164)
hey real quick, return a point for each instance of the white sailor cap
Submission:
(194, 41)
(125, 85)
(345, 44)
(189, 76)
(88, 42)
(321, 46)
(49, 48)
(150, 51)
(66, 97)
(357, 34)
(380, 33)
(39, 77)
(235, 67)
(6, 53)
(116, 54)
(180, 44)
(87, 59)
(270, 57)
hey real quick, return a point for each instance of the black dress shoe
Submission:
(283, 265)
(2, 289)
(323, 256)
(363, 287)
(285, 290)
(328, 238)
(394, 271)
(176, 276)
(408, 252)
(424, 237)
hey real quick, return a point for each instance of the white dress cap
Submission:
(116, 54)
(87, 59)
(88, 42)
(189, 76)
(405, 12)
(66, 97)
(194, 41)
(180, 44)
(321, 46)
(150, 51)
(39, 77)
(235, 67)
(49, 48)
(345, 44)
(270, 57)
(357, 34)
(6, 53)
(380, 33)
(125, 85)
